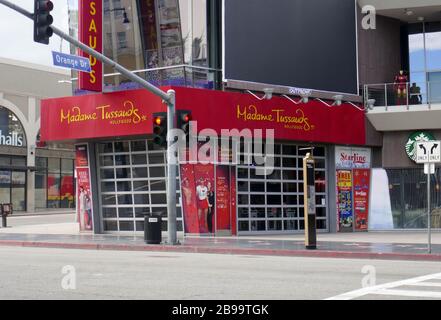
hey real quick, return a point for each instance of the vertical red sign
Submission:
(223, 198)
(361, 198)
(84, 206)
(90, 29)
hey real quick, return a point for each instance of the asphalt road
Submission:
(37, 273)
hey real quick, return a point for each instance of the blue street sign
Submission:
(71, 62)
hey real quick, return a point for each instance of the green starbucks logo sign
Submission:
(416, 137)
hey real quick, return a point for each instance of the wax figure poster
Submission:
(84, 190)
(197, 184)
(223, 198)
(207, 198)
(361, 198)
(344, 200)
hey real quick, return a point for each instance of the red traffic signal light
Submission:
(157, 121)
(186, 117)
(160, 129)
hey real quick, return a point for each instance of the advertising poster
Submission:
(344, 201)
(208, 198)
(81, 156)
(84, 190)
(223, 199)
(361, 198)
(197, 183)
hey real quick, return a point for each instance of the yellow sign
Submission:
(299, 121)
(128, 115)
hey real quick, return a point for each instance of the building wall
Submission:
(394, 153)
(379, 51)
(22, 86)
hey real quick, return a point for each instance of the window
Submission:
(122, 40)
(132, 184)
(274, 202)
(54, 183)
(425, 60)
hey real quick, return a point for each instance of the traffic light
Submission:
(183, 123)
(160, 129)
(43, 21)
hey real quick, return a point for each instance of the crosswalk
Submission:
(425, 287)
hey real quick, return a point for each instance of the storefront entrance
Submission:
(274, 203)
(132, 182)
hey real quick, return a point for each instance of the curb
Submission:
(230, 251)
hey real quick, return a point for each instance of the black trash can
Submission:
(153, 228)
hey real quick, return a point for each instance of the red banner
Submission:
(223, 198)
(84, 206)
(81, 159)
(361, 198)
(90, 30)
(124, 113)
(198, 202)
(208, 198)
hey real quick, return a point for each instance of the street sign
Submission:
(428, 152)
(429, 168)
(71, 62)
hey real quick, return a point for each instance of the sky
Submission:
(17, 38)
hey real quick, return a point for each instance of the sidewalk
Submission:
(43, 212)
(359, 246)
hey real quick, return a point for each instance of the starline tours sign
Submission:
(352, 158)
(90, 29)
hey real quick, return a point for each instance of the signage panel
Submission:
(90, 20)
(71, 62)
(128, 113)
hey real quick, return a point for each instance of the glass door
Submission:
(5, 186)
(18, 190)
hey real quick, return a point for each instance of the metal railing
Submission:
(401, 94)
(177, 75)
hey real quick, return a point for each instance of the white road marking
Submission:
(409, 293)
(426, 284)
(383, 289)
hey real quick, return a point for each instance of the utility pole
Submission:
(167, 97)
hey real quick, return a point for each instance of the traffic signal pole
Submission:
(167, 97)
(171, 171)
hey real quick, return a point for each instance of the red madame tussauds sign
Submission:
(90, 16)
(129, 113)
